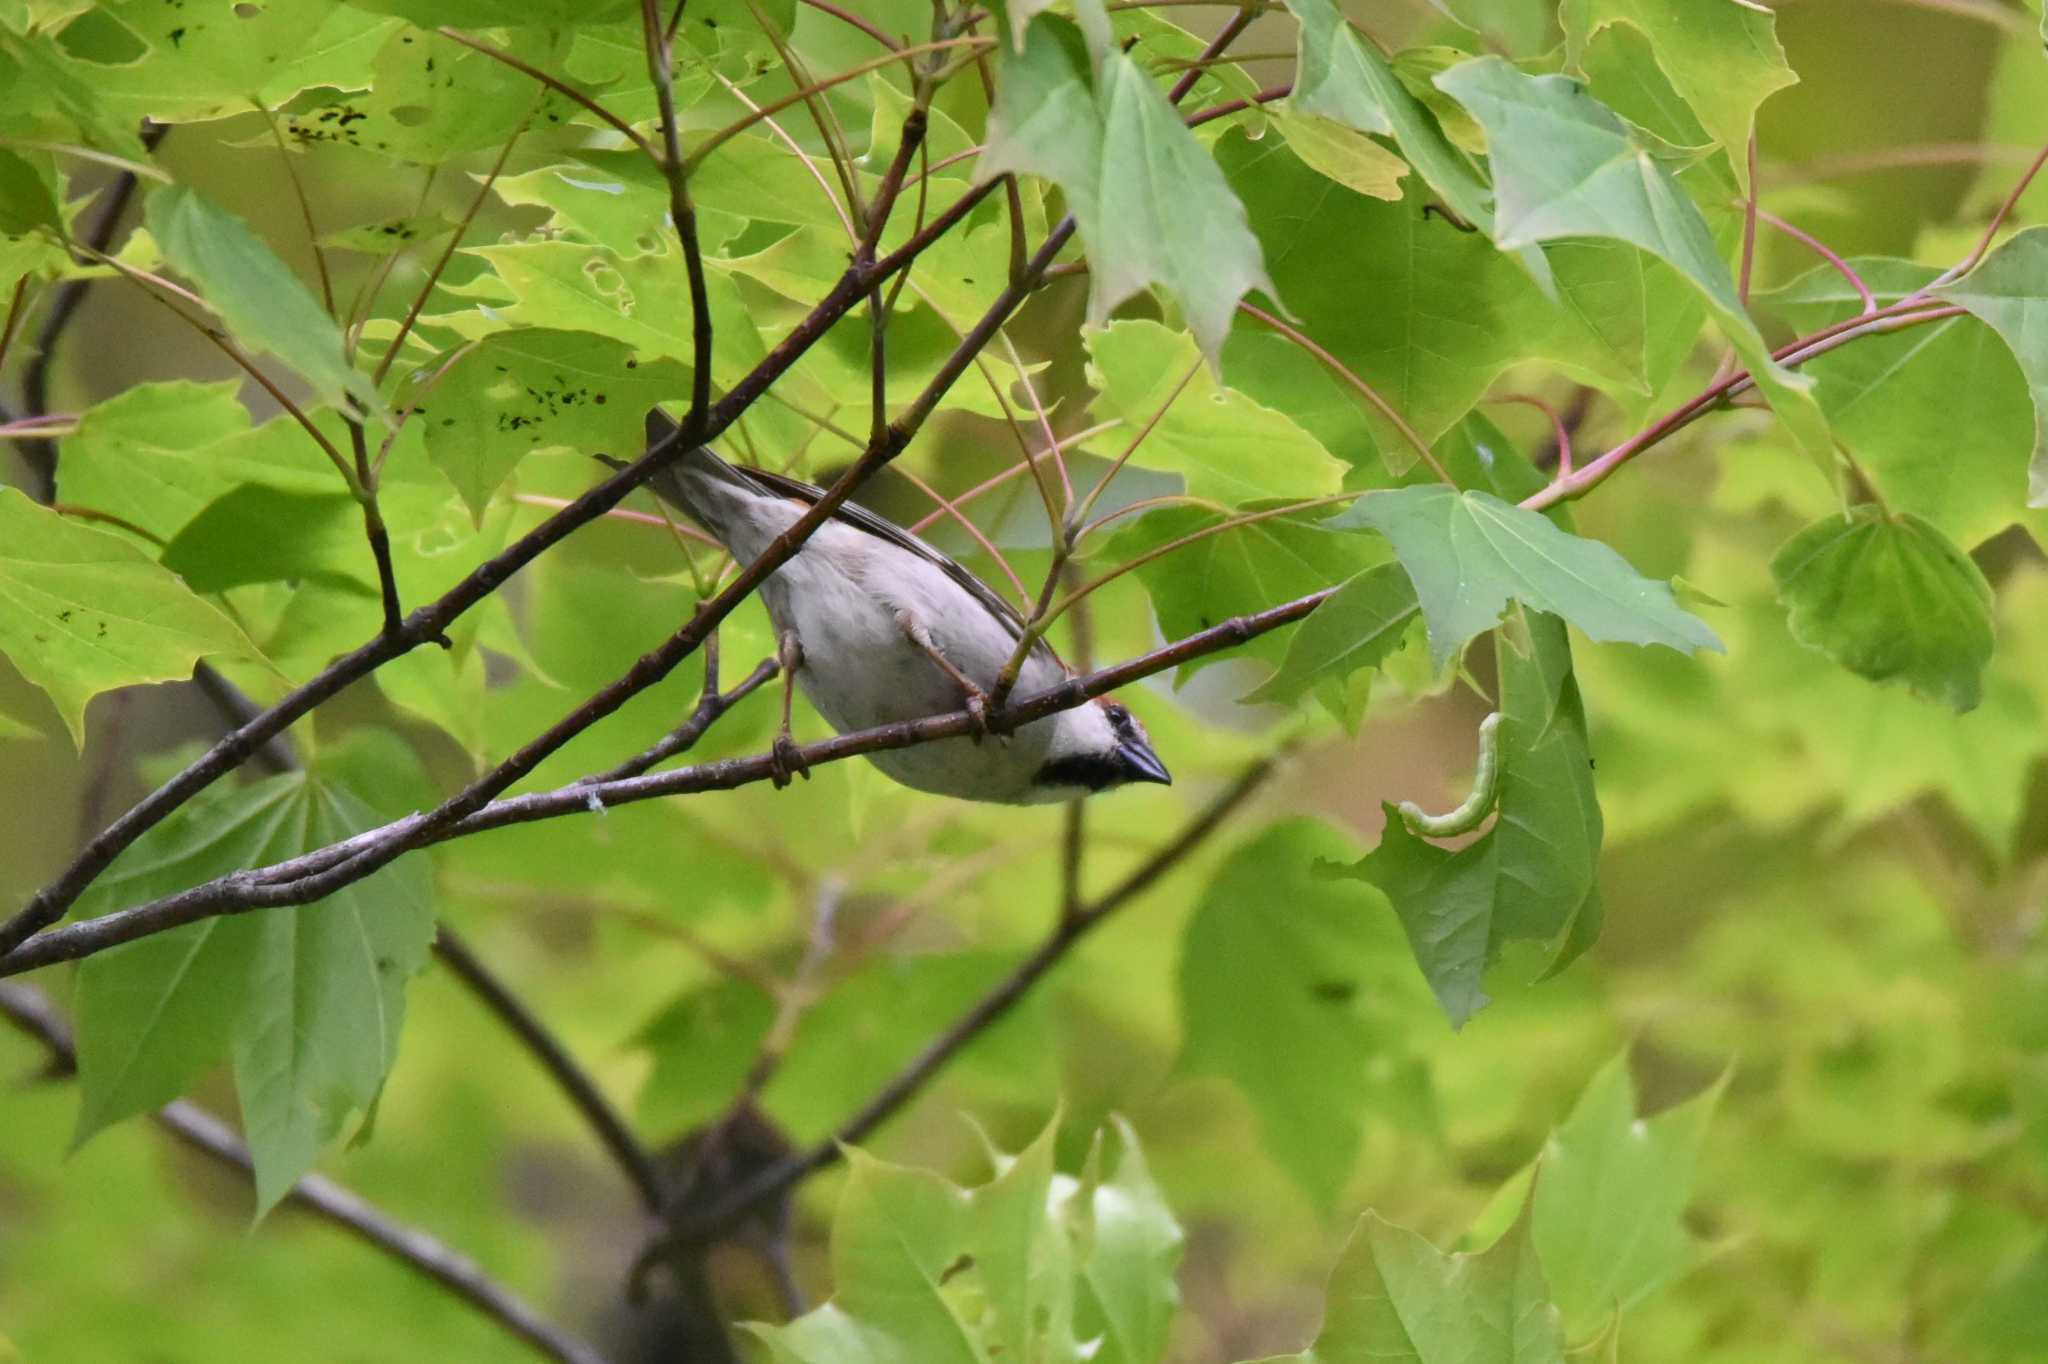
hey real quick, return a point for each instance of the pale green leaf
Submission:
(264, 304)
(1397, 1299)
(431, 99)
(1343, 77)
(1129, 1251)
(1350, 158)
(1228, 447)
(1722, 58)
(2009, 290)
(1610, 1201)
(925, 1272)
(1890, 597)
(83, 611)
(1470, 553)
(1565, 166)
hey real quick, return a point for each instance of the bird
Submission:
(878, 627)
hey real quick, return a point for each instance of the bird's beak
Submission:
(1140, 763)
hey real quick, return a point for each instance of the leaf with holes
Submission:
(534, 389)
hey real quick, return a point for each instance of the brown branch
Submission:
(682, 211)
(985, 1012)
(41, 455)
(314, 875)
(685, 735)
(569, 1077)
(32, 1013)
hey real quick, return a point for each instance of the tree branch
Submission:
(562, 1068)
(41, 455)
(32, 1013)
(314, 875)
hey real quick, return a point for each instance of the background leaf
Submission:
(83, 611)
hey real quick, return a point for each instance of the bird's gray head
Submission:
(1097, 746)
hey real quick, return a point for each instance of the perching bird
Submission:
(878, 627)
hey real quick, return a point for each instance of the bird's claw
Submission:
(977, 716)
(786, 762)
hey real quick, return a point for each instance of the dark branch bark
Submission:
(317, 874)
(32, 1013)
(41, 454)
(569, 1077)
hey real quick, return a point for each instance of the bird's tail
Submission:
(698, 483)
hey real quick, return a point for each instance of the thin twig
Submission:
(682, 211)
(1821, 249)
(626, 1151)
(1578, 483)
(731, 130)
(685, 735)
(412, 312)
(1364, 389)
(1560, 432)
(32, 1013)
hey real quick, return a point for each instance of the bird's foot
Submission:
(786, 761)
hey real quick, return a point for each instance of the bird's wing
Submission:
(859, 517)
(853, 514)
